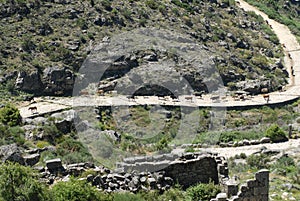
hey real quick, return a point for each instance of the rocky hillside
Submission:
(44, 43)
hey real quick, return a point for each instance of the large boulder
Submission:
(55, 165)
(11, 153)
(58, 81)
(54, 81)
(32, 159)
(253, 86)
(30, 82)
(66, 121)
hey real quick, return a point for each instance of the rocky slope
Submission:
(44, 43)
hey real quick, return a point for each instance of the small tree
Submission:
(259, 161)
(276, 134)
(20, 183)
(10, 115)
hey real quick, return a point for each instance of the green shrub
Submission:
(296, 176)
(10, 86)
(190, 149)
(162, 144)
(11, 135)
(174, 194)
(127, 196)
(47, 155)
(28, 45)
(259, 161)
(229, 136)
(203, 191)
(142, 22)
(285, 161)
(73, 151)
(42, 144)
(152, 4)
(75, 190)
(284, 165)
(20, 183)
(162, 9)
(51, 133)
(127, 13)
(232, 86)
(243, 156)
(276, 134)
(17, 134)
(179, 3)
(10, 115)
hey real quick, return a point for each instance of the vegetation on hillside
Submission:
(35, 35)
(286, 12)
(21, 183)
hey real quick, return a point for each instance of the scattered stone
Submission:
(11, 153)
(32, 159)
(54, 165)
(265, 140)
(222, 197)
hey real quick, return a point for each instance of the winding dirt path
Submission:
(286, 38)
(292, 91)
(291, 147)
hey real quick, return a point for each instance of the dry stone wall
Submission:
(187, 169)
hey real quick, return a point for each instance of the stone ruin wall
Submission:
(191, 168)
(253, 190)
(187, 169)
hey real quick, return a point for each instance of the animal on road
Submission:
(33, 109)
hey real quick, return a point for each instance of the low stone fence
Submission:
(241, 143)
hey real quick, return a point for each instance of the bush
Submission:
(276, 134)
(47, 155)
(73, 151)
(162, 144)
(51, 133)
(243, 156)
(17, 134)
(284, 165)
(11, 135)
(20, 183)
(203, 191)
(76, 190)
(10, 115)
(258, 161)
(174, 194)
(42, 144)
(152, 4)
(126, 196)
